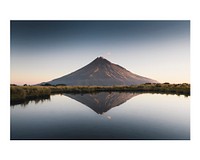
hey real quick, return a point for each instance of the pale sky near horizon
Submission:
(45, 50)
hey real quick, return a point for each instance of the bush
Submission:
(46, 84)
(166, 83)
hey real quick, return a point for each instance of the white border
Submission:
(100, 10)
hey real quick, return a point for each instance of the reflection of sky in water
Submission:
(145, 116)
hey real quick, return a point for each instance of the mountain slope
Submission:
(101, 72)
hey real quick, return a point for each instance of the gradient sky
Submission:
(44, 50)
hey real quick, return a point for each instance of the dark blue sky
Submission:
(43, 50)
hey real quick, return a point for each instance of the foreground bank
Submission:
(22, 93)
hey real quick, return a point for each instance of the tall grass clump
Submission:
(17, 93)
(22, 93)
(36, 91)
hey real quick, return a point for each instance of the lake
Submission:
(104, 115)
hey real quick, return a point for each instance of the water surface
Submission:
(103, 115)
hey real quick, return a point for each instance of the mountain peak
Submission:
(101, 60)
(100, 57)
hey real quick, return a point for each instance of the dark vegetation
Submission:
(20, 94)
(26, 101)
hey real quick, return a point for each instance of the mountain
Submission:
(101, 72)
(103, 101)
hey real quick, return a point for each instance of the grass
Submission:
(20, 94)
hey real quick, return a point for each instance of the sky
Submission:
(45, 50)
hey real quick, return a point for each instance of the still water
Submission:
(103, 116)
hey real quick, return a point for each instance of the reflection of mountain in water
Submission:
(103, 101)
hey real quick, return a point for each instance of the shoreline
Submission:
(21, 94)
